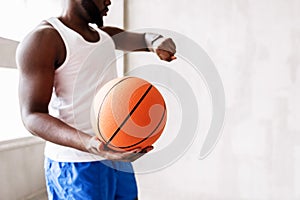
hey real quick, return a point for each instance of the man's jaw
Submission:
(94, 13)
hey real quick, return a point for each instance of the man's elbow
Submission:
(31, 121)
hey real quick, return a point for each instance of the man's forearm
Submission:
(127, 41)
(165, 48)
(56, 131)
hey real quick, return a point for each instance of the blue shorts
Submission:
(90, 180)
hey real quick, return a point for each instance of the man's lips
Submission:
(105, 11)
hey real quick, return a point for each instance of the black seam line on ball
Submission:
(137, 143)
(98, 116)
(152, 132)
(128, 116)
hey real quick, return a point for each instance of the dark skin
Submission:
(37, 70)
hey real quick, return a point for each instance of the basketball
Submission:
(128, 113)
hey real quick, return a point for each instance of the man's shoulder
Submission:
(44, 31)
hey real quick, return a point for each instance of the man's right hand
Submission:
(97, 147)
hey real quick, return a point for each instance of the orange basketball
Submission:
(128, 113)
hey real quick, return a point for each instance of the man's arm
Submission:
(36, 57)
(130, 41)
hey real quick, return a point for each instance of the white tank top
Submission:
(87, 67)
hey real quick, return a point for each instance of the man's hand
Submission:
(166, 50)
(97, 147)
(164, 47)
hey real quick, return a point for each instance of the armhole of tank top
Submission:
(55, 26)
(105, 36)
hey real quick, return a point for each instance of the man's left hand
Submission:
(166, 50)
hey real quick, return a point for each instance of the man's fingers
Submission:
(121, 156)
(166, 50)
(101, 149)
(136, 156)
(165, 55)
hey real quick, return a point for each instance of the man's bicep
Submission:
(35, 58)
(35, 89)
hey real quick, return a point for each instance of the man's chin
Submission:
(99, 23)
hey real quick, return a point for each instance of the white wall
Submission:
(21, 168)
(255, 46)
(8, 52)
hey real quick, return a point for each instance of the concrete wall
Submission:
(8, 52)
(255, 46)
(21, 168)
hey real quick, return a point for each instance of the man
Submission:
(59, 57)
